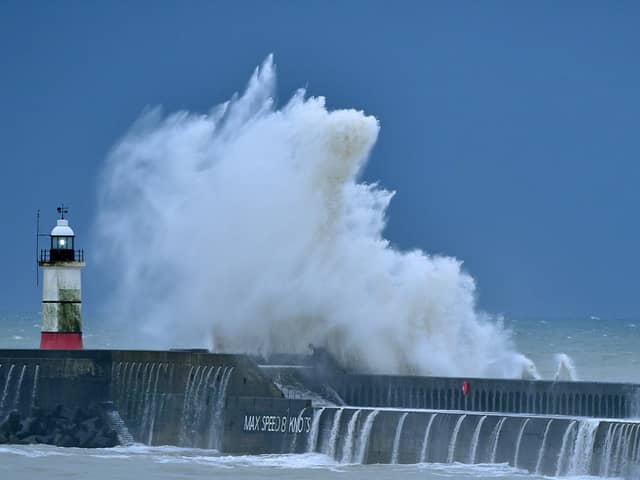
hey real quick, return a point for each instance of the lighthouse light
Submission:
(61, 243)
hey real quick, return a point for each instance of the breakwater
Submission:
(544, 445)
(538, 397)
(84, 428)
(231, 404)
(158, 398)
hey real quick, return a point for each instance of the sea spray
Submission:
(363, 440)
(248, 229)
(396, 440)
(566, 370)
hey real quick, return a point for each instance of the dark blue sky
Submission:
(509, 130)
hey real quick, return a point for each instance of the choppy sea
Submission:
(601, 349)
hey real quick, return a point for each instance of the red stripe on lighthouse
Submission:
(61, 341)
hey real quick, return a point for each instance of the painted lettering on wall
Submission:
(276, 424)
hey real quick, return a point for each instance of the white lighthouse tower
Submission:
(61, 289)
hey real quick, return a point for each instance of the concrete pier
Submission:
(540, 397)
(540, 444)
(231, 404)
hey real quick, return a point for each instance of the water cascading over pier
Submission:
(229, 403)
(396, 439)
(203, 406)
(559, 446)
(5, 391)
(145, 397)
(544, 427)
(18, 388)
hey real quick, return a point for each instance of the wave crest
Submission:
(247, 229)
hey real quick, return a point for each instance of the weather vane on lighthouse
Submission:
(62, 210)
(61, 288)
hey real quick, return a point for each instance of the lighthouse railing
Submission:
(61, 255)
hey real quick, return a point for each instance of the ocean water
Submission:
(602, 350)
(138, 462)
(605, 350)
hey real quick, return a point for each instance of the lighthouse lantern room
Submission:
(61, 289)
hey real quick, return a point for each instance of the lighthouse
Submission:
(62, 268)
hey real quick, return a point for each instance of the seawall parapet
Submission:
(544, 445)
(537, 397)
(164, 397)
(232, 404)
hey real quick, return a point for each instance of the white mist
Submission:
(247, 229)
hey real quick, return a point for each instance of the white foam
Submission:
(248, 229)
(141, 449)
(32, 451)
(566, 369)
(483, 470)
(280, 461)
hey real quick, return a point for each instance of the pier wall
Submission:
(227, 402)
(170, 398)
(36, 378)
(540, 397)
(266, 425)
(544, 445)
(179, 398)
